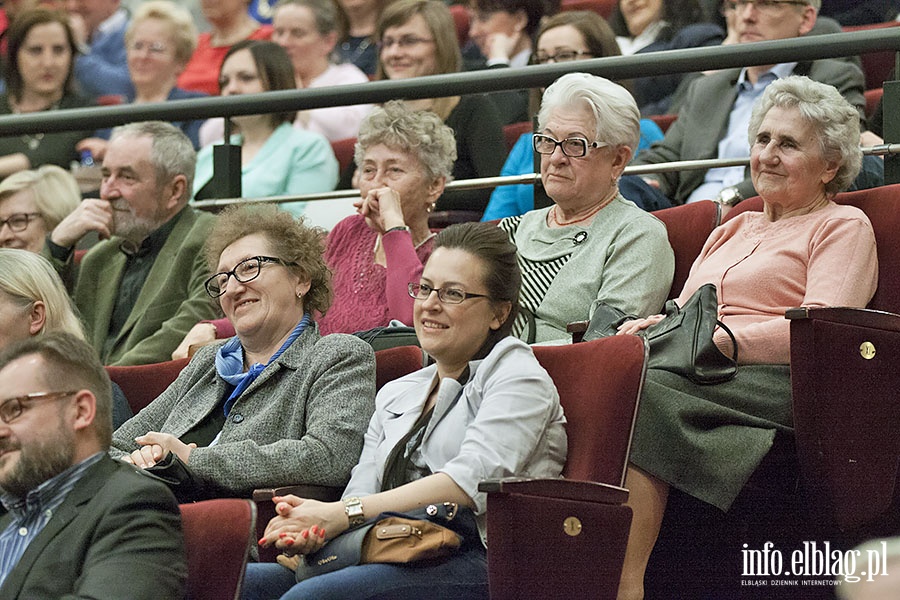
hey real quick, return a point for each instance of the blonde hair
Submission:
(55, 191)
(176, 17)
(26, 277)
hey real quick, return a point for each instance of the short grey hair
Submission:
(616, 116)
(420, 133)
(834, 120)
(325, 13)
(171, 154)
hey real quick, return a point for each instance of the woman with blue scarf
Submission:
(276, 404)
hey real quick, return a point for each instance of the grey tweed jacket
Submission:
(301, 421)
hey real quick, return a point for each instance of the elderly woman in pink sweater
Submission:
(801, 250)
(403, 157)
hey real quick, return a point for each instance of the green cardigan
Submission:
(172, 300)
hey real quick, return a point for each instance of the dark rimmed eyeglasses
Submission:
(12, 408)
(405, 42)
(19, 221)
(246, 270)
(769, 6)
(447, 295)
(573, 147)
(561, 56)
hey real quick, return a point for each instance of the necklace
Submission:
(603, 203)
(33, 141)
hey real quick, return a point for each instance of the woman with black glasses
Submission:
(592, 245)
(276, 404)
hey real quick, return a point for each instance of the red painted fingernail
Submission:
(315, 529)
(261, 541)
(282, 535)
(322, 533)
(305, 533)
(289, 541)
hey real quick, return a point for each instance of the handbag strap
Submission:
(725, 328)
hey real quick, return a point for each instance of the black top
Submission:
(46, 148)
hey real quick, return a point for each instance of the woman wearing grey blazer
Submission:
(276, 404)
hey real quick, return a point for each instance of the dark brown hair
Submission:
(275, 71)
(15, 37)
(503, 278)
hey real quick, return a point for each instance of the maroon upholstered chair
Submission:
(876, 66)
(513, 131)
(845, 373)
(566, 537)
(343, 152)
(143, 383)
(217, 537)
(390, 364)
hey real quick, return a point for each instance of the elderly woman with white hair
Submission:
(803, 249)
(592, 245)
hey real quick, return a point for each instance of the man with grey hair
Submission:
(79, 524)
(141, 289)
(712, 121)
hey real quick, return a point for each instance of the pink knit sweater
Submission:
(762, 268)
(367, 295)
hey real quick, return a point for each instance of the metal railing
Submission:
(616, 67)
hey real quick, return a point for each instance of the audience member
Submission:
(801, 250)
(404, 158)
(159, 40)
(592, 245)
(566, 36)
(713, 118)
(34, 302)
(79, 523)
(418, 37)
(231, 23)
(32, 204)
(487, 410)
(853, 12)
(308, 31)
(99, 27)
(357, 44)
(501, 33)
(277, 404)
(655, 25)
(276, 158)
(140, 291)
(40, 53)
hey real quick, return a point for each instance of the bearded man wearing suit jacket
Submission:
(79, 524)
(713, 119)
(140, 290)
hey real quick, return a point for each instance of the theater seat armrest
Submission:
(860, 317)
(316, 492)
(577, 329)
(567, 489)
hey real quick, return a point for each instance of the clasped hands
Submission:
(156, 446)
(302, 526)
(381, 208)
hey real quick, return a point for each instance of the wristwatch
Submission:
(729, 197)
(354, 509)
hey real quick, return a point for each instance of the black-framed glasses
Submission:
(573, 147)
(246, 270)
(12, 408)
(447, 295)
(769, 6)
(19, 221)
(405, 42)
(561, 56)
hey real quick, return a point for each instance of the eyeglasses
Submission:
(405, 42)
(246, 270)
(766, 6)
(561, 56)
(573, 147)
(448, 295)
(19, 221)
(12, 408)
(151, 47)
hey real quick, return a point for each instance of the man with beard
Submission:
(79, 524)
(141, 289)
